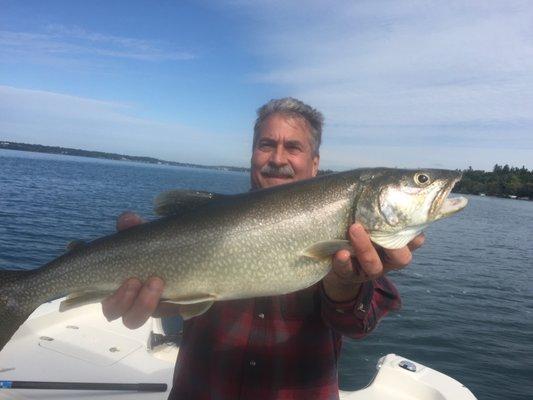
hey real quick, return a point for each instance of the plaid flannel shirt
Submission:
(282, 348)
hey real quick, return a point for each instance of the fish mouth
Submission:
(452, 205)
(445, 206)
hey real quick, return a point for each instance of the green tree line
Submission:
(501, 181)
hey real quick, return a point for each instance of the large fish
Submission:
(212, 247)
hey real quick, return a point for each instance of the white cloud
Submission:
(442, 75)
(56, 119)
(450, 83)
(65, 43)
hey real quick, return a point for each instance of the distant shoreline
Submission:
(67, 151)
(503, 181)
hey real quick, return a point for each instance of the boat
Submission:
(80, 349)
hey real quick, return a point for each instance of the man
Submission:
(283, 347)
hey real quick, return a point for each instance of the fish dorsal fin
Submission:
(320, 250)
(175, 202)
(76, 245)
(192, 306)
(398, 239)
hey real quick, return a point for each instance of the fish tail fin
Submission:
(13, 309)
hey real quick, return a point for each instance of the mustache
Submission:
(285, 171)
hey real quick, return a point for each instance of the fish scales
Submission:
(246, 245)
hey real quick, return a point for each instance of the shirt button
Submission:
(261, 315)
(252, 363)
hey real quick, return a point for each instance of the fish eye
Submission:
(422, 179)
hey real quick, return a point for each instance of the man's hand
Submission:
(134, 300)
(345, 278)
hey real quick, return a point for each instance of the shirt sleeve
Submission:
(358, 317)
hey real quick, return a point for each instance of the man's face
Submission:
(283, 152)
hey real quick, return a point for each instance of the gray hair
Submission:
(295, 108)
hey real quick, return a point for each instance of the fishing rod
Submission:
(136, 387)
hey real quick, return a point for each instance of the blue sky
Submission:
(401, 83)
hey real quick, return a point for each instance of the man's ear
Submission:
(316, 162)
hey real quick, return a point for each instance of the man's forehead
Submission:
(285, 127)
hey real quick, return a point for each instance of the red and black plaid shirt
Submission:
(281, 348)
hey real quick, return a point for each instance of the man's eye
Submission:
(265, 145)
(293, 148)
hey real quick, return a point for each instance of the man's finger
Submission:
(396, 258)
(342, 264)
(128, 219)
(121, 301)
(364, 251)
(145, 303)
(417, 242)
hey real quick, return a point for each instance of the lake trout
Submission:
(210, 247)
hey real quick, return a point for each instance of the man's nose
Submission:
(278, 156)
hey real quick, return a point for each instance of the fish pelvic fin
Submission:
(326, 249)
(192, 307)
(188, 311)
(78, 299)
(13, 309)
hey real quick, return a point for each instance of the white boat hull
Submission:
(82, 346)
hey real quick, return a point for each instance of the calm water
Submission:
(468, 295)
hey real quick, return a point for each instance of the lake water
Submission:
(467, 296)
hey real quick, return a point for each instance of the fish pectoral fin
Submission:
(395, 240)
(78, 299)
(175, 202)
(326, 249)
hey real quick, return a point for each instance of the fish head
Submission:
(397, 205)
